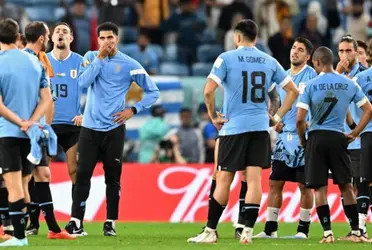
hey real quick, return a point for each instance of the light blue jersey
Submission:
(354, 110)
(287, 147)
(66, 87)
(364, 79)
(247, 75)
(108, 82)
(327, 98)
(21, 78)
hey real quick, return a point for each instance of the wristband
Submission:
(134, 110)
(352, 126)
(277, 118)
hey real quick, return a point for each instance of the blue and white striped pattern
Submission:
(171, 98)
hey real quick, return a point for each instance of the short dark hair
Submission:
(9, 30)
(248, 28)
(362, 44)
(34, 30)
(324, 55)
(349, 39)
(23, 39)
(185, 110)
(65, 24)
(308, 45)
(108, 26)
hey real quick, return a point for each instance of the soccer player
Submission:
(288, 161)
(364, 79)
(247, 75)
(362, 53)
(22, 102)
(37, 35)
(107, 74)
(350, 66)
(327, 99)
(67, 119)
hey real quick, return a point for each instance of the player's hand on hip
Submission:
(219, 120)
(350, 137)
(122, 116)
(105, 49)
(78, 120)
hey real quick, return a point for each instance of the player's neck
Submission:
(246, 44)
(328, 69)
(8, 46)
(61, 54)
(295, 69)
(34, 47)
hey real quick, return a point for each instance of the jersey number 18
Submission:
(256, 87)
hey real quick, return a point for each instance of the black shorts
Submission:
(281, 172)
(366, 157)
(326, 150)
(236, 152)
(355, 155)
(68, 135)
(13, 155)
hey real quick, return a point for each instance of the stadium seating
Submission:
(209, 36)
(170, 53)
(201, 69)
(208, 53)
(158, 50)
(130, 35)
(173, 69)
(45, 14)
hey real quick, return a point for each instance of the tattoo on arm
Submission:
(275, 101)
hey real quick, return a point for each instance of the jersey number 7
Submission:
(333, 101)
(256, 87)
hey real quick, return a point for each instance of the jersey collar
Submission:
(242, 47)
(67, 57)
(299, 72)
(354, 69)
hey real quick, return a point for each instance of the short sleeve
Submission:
(359, 98)
(304, 98)
(280, 76)
(219, 71)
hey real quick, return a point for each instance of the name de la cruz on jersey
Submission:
(330, 86)
(251, 59)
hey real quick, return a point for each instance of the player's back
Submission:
(20, 78)
(305, 74)
(250, 74)
(364, 79)
(329, 96)
(66, 87)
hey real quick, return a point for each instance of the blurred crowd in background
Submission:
(183, 38)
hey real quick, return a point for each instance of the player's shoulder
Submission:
(130, 62)
(310, 70)
(364, 74)
(91, 53)
(76, 56)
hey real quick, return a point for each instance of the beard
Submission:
(298, 63)
(62, 46)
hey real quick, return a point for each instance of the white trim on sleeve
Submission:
(216, 79)
(362, 102)
(138, 72)
(285, 81)
(302, 105)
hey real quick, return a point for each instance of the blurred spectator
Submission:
(229, 36)
(80, 24)
(21, 42)
(168, 151)
(357, 20)
(189, 28)
(280, 44)
(311, 32)
(151, 133)
(215, 10)
(113, 11)
(144, 54)
(315, 9)
(151, 13)
(190, 139)
(16, 12)
(209, 133)
(362, 53)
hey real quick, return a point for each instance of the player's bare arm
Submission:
(292, 94)
(44, 103)
(301, 125)
(217, 118)
(274, 101)
(49, 115)
(364, 120)
(349, 120)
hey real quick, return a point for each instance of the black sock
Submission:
(270, 226)
(4, 212)
(46, 204)
(303, 227)
(250, 213)
(18, 218)
(324, 216)
(35, 208)
(213, 187)
(27, 213)
(215, 211)
(363, 198)
(351, 212)
(243, 192)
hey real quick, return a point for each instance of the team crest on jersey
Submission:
(117, 68)
(73, 73)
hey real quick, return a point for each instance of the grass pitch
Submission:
(168, 236)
